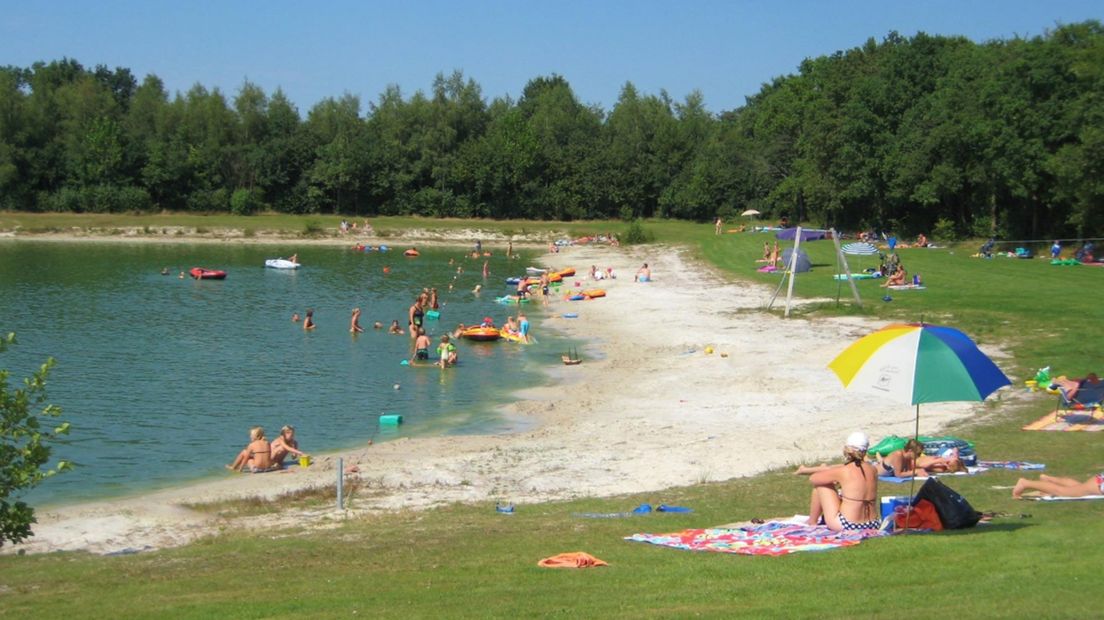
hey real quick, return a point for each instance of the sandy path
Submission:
(653, 411)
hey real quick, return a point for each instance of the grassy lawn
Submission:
(468, 561)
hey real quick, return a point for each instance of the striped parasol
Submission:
(860, 248)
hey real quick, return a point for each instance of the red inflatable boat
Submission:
(199, 273)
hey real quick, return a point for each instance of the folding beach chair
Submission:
(1088, 396)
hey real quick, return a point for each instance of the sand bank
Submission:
(651, 412)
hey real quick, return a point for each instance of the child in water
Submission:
(308, 322)
(421, 346)
(447, 352)
(395, 329)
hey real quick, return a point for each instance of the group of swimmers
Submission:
(260, 455)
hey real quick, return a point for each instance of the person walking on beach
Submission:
(510, 250)
(354, 324)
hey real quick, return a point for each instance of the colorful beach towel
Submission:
(1058, 498)
(970, 471)
(1090, 421)
(1022, 465)
(771, 539)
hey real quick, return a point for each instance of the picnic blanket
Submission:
(772, 539)
(1010, 465)
(970, 471)
(1090, 421)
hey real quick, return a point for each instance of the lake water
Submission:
(161, 378)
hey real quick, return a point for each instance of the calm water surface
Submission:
(162, 377)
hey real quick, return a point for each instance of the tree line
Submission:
(924, 133)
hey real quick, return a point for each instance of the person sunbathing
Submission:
(911, 461)
(257, 455)
(898, 278)
(1060, 487)
(844, 497)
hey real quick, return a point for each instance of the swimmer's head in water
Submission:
(445, 338)
(377, 325)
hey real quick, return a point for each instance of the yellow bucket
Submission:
(304, 461)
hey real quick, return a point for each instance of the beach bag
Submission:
(954, 511)
(922, 516)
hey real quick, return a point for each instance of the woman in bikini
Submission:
(912, 462)
(257, 455)
(853, 506)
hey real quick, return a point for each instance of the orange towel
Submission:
(575, 559)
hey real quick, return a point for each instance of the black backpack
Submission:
(954, 511)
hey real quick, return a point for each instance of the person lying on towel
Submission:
(912, 462)
(1060, 487)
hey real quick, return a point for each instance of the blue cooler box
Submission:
(891, 502)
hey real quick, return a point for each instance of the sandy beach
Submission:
(648, 409)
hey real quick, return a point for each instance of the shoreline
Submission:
(654, 411)
(186, 235)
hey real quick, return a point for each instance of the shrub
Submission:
(26, 437)
(944, 230)
(637, 234)
(312, 228)
(245, 201)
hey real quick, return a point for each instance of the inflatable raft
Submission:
(280, 263)
(411, 252)
(481, 334)
(199, 273)
(511, 299)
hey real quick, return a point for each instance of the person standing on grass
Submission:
(717, 226)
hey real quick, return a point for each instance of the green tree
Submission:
(25, 446)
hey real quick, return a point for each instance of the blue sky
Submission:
(318, 49)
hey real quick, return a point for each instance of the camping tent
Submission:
(803, 263)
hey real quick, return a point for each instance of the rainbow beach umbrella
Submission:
(918, 363)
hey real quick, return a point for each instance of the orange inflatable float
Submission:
(484, 334)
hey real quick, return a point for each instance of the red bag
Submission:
(922, 516)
